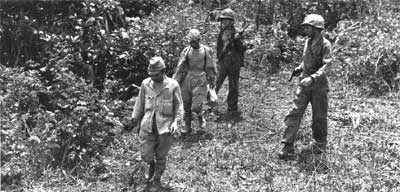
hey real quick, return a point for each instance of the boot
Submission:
(287, 151)
(188, 125)
(202, 121)
(156, 184)
(150, 174)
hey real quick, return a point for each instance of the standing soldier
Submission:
(159, 109)
(313, 88)
(230, 55)
(195, 70)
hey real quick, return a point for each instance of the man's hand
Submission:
(212, 85)
(237, 36)
(298, 70)
(173, 128)
(306, 81)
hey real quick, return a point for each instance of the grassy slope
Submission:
(363, 152)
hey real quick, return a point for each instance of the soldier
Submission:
(230, 55)
(159, 109)
(313, 88)
(196, 68)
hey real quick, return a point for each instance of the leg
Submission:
(164, 144)
(148, 142)
(292, 123)
(221, 77)
(187, 103)
(319, 102)
(233, 93)
(293, 119)
(199, 92)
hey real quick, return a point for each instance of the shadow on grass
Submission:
(199, 135)
(217, 116)
(309, 162)
(164, 188)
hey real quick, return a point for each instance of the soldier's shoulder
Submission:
(326, 42)
(186, 48)
(207, 48)
(146, 81)
(172, 81)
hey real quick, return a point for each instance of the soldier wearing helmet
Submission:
(230, 55)
(313, 88)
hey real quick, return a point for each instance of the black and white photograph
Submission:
(200, 95)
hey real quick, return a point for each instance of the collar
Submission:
(165, 84)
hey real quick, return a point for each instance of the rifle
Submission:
(295, 73)
(225, 50)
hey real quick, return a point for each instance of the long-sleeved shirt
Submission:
(165, 103)
(316, 58)
(231, 55)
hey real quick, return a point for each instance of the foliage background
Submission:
(70, 69)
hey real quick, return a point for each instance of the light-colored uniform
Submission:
(157, 108)
(195, 70)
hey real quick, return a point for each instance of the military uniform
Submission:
(313, 88)
(196, 69)
(159, 109)
(316, 94)
(230, 54)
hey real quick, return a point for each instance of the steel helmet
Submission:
(314, 20)
(227, 14)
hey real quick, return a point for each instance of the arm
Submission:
(219, 45)
(178, 109)
(210, 68)
(326, 60)
(238, 44)
(138, 109)
(181, 68)
(178, 104)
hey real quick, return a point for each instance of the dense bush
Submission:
(368, 53)
(60, 121)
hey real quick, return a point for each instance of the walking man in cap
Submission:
(313, 88)
(159, 110)
(195, 70)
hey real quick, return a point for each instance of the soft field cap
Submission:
(194, 34)
(156, 65)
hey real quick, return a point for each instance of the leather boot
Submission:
(156, 184)
(287, 151)
(150, 174)
(188, 125)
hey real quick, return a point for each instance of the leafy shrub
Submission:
(66, 131)
(368, 53)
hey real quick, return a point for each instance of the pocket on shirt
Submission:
(148, 102)
(166, 107)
